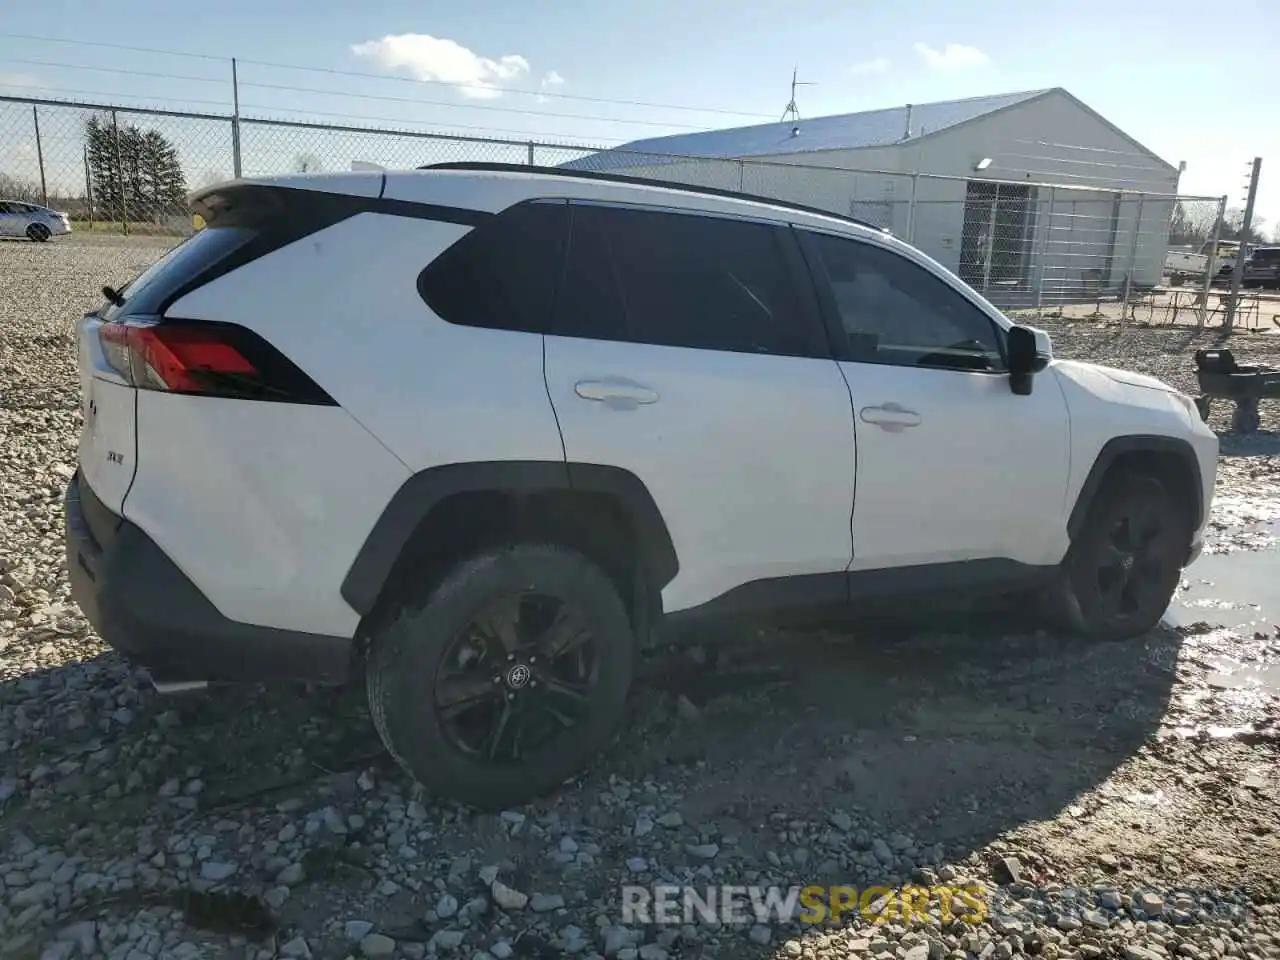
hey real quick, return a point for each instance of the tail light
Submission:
(205, 359)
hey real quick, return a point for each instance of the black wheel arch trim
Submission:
(1117, 447)
(423, 491)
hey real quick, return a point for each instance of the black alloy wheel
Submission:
(520, 673)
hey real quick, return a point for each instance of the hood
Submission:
(1127, 377)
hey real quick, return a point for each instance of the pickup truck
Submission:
(1182, 264)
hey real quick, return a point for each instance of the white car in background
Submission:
(19, 219)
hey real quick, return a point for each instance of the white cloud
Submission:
(954, 56)
(878, 65)
(549, 79)
(433, 58)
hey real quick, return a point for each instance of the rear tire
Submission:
(38, 233)
(1124, 566)
(467, 689)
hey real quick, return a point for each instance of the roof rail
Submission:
(483, 166)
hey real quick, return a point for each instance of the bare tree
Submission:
(19, 188)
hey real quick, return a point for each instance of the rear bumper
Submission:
(146, 608)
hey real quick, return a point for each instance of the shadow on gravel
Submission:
(950, 737)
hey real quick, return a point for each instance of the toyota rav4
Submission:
(478, 433)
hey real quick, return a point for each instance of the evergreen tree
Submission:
(136, 173)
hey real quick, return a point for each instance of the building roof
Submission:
(846, 131)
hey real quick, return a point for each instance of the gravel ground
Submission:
(1110, 800)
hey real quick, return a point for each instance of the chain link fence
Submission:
(1045, 248)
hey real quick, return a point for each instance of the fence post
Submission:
(123, 211)
(531, 163)
(1042, 253)
(88, 187)
(1246, 225)
(1211, 265)
(911, 208)
(991, 241)
(742, 168)
(44, 190)
(235, 121)
(1133, 259)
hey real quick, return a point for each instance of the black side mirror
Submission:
(1024, 359)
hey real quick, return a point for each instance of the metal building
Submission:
(1016, 193)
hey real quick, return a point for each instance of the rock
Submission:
(651, 951)
(216, 870)
(377, 945)
(58, 950)
(792, 948)
(1135, 952)
(357, 930)
(1009, 870)
(501, 950)
(1096, 919)
(702, 851)
(880, 850)
(365, 781)
(760, 934)
(616, 938)
(545, 903)
(446, 906)
(1111, 899)
(292, 875)
(41, 892)
(643, 827)
(686, 711)
(83, 934)
(842, 822)
(446, 940)
(1152, 904)
(297, 947)
(287, 833)
(919, 952)
(568, 845)
(637, 864)
(671, 820)
(1067, 922)
(507, 898)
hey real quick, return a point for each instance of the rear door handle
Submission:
(616, 394)
(893, 417)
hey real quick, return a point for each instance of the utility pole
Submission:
(235, 120)
(1233, 301)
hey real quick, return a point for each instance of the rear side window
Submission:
(1267, 255)
(684, 280)
(502, 274)
(146, 293)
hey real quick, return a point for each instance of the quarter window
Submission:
(685, 280)
(895, 311)
(502, 274)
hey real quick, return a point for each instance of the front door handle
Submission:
(893, 417)
(616, 394)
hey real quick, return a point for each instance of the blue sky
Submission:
(1190, 80)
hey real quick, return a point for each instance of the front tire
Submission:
(1124, 566)
(38, 233)
(506, 678)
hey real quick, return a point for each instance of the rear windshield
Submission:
(145, 293)
(1266, 254)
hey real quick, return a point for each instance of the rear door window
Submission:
(686, 280)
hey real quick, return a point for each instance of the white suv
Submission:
(479, 432)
